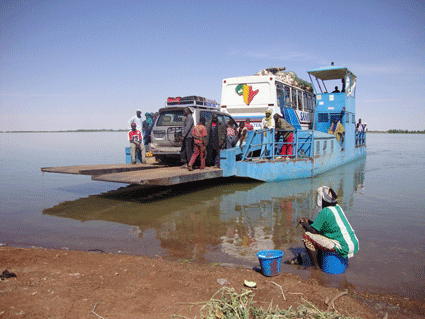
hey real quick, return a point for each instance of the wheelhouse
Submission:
(335, 89)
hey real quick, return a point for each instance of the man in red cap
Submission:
(136, 144)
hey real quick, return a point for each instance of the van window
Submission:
(221, 119)
(171, 118)
(207, 116)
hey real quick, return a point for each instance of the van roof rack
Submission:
(191, 100)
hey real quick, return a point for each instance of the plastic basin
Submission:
(332, 263)
(270, 261)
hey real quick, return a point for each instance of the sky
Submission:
(67, 65)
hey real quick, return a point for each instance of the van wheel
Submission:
(169, 161)
(160, 159)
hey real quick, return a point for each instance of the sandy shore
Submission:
(71, 284)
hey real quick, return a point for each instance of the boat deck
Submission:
(140, 174)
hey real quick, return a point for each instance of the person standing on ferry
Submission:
(199, 134)
(231, 138)
(268, 121)
(248, 125)
(242, 130)
(283, 128)
(337, 129)
(136, 119)
(216, 141)
(187, 138)
(359, 126)
(136, 144)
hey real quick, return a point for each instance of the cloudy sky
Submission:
(91, 64)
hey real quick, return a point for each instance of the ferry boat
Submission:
(315, 151)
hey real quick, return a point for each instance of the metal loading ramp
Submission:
(161, 177)
(140, 174)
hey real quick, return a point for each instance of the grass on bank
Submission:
(226, 303)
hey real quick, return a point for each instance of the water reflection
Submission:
(216, 221)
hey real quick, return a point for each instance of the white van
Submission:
(165, 143)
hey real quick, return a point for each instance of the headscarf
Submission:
(268, 118)
(324, 194)
(149, 119)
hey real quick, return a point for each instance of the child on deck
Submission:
(231, 135)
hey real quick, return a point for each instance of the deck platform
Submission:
(140, 174)
(161, 177)
(99, 169)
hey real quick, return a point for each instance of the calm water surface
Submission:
(227, 222)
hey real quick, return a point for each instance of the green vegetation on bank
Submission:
(228, 304)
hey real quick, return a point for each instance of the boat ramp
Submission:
(139, 174)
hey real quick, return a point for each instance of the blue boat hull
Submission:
(278, 168)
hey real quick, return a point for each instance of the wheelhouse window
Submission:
(323, 117)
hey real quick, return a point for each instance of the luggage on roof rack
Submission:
(193, 98)
(190, 100)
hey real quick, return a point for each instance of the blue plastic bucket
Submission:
(270, 261)
(332, 263)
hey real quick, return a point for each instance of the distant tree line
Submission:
(407, 131)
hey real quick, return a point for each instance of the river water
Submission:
(223, 221)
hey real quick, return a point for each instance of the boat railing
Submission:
(360, 138)
(262, 144)
(304, 145)
(259, 140)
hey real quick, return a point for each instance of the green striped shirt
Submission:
(333, 224)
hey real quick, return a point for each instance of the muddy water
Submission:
(224, 221)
